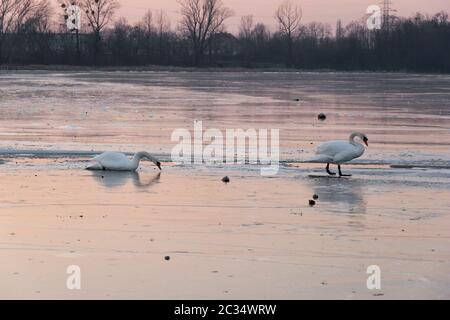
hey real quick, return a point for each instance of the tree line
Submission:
(35, 32)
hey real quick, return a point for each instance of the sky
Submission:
(263, 10)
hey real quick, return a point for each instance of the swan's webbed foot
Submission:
(328, 170)
(341, 174)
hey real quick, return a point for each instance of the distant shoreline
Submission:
(156, 68)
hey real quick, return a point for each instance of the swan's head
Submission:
(148, 156)
(360, 135)
(365, 140)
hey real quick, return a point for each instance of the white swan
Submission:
(338, 152)
(116, 161)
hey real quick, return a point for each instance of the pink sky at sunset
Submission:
(263, 10)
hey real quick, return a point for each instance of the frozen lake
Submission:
(256, 237)
(407, 117)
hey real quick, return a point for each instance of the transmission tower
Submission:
(387, 14)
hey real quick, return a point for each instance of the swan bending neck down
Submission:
(340, 151)
(116, 161)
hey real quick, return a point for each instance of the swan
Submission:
(339, 151)
(116, 161)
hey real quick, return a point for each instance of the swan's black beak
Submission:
(366, 141)
(158, 164)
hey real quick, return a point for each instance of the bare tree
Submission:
(99, 14)
(339, 30)
(261, 34)
(147, 23)
(147, 27)
(37, 32)
(162, 23)
(288, 17)
(246, 27)
(13, 14)
(317, 31)
(246, 38)
(162, 29)
(201, 19)
(41, 17)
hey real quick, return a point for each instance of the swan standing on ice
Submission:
(116, 161)
(338, 152)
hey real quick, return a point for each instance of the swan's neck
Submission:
(137, 158)
(352, 139)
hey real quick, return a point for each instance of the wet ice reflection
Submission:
(116, 179)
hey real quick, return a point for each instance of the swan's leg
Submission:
(340, 172)
(328, 170)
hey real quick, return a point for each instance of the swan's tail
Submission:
(95, 166)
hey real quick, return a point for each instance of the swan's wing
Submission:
(97, 162)
(338, 151)
(112, 160)
(99, 157)
(321, 158)
(333, 148)
(111, 156)
(349, 154)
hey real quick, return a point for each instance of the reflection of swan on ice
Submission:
(340, 151)
(340, 196)
(116, 161)
(112, 179)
